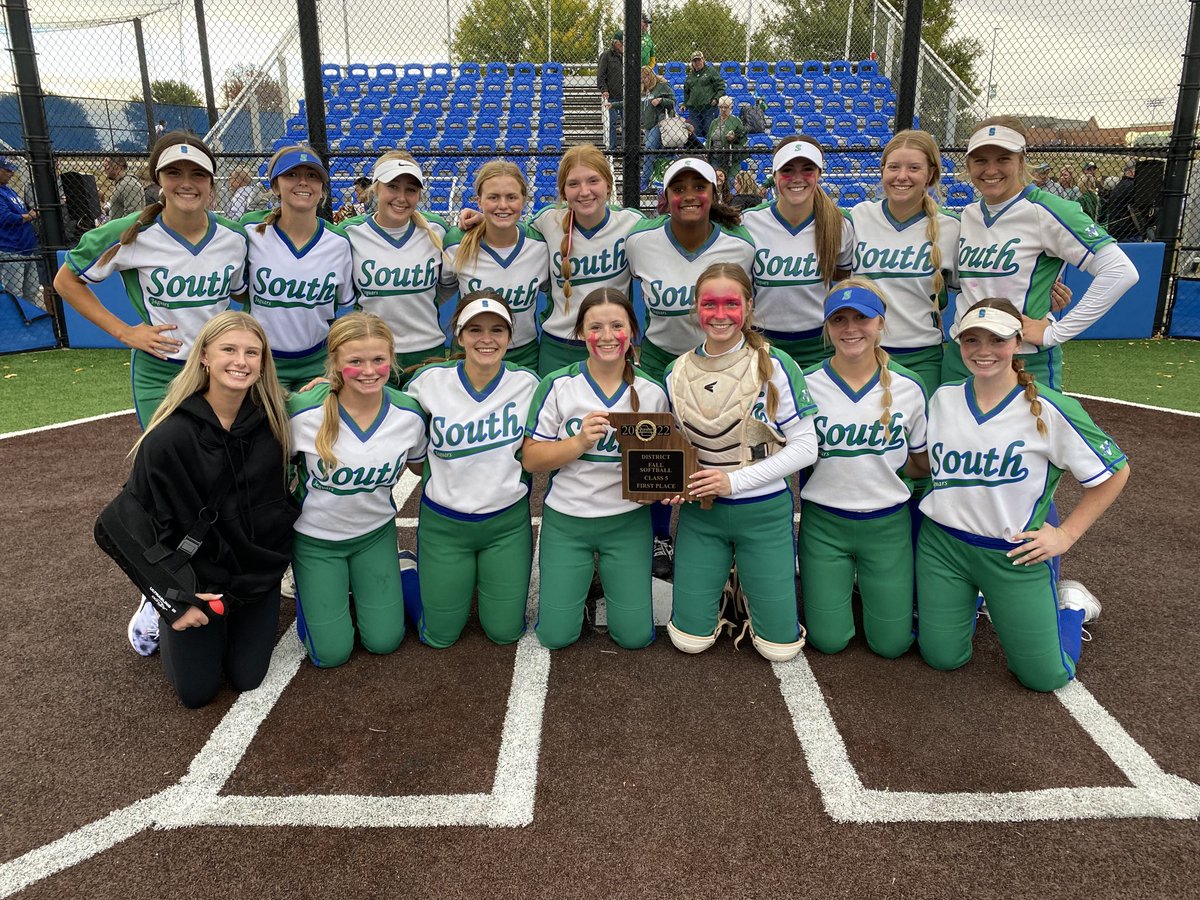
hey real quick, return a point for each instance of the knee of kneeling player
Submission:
(774, 651)
(382, 643)
(890, 647)
(691, 643)
(556, 639)
(826, 643)
(942, 657)
(1045, 679)
(195, 695)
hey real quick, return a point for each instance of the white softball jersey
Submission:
(1018, 251)
(169, 280)
(668, 275)
(588, 487)
(993, 474)
(597, 259)
(473, 466)
(398, 277)
(793, 417)
(858, 457)
(356, 496)
(295, 291)
(517, 273)
(897, 257)
(789, 292)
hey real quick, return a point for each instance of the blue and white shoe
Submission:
(410, 584)
(143, 629)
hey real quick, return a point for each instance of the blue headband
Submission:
(293, 159)
(856, 298)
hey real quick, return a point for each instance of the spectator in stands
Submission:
(647, 43)
(127, 195)
(18, 242)
(358, 201)
(149, 188)
(1066, 181)
(702, 89)
(610, 79)
(1043, 181)
(746, 192)
(241, 193)
(1121, 222)
(1089, 197)
(657, 99)
(726, 138)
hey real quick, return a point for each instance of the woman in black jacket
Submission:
(219, 440)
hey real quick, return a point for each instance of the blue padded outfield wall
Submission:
(1132, 317)
(1185, 316)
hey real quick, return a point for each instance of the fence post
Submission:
(631, 118)
(210, 99)
(910, 64)
(1183, 136)
(314, 95)
(147, 94)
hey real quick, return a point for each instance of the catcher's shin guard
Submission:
(692, 643)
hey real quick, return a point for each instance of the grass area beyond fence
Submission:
(59, 385)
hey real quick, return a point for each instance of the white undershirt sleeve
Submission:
(1113, 274)
(799, 451)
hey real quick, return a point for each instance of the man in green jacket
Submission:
(701, 90)
(647, 42)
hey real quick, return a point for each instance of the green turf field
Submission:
(59, 385)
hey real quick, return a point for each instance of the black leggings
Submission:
(238, 644)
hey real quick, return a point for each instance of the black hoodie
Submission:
(186, 461)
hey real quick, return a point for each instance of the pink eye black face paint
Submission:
(731, 309)
(594, 339)
(351, 371)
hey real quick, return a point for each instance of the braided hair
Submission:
(612, 297)
(589, 156)
(1024, 378)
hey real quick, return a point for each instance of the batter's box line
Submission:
(1153, 794)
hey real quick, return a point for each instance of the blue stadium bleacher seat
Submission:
(431, 107)
(456, 127)
(811, 68)
(338, 109)
(520, 108)
(785, 69)
(441, 71)
(766, 87)
(520, 129)
(762, 141)
(383, 144)
(522, 89)
(550, 128)
(487, 128)
(489, 108)
(524, 71)
(380, 89)
(350, 90)
(781, 129)
(497, 70)
(736, 84)
(868, 67)
(552, 69)
(552, 108)
(839, 68)
(836, 164)
(438, 199)
(758, 68)
(465, 88)
(515, 143)
(948, 164)
(419, 142)
(358, 72)
(851, 195)
(552, 87)
(494, 90)
(959, 195)
(832, 105)
(280, 143)
(793, 86)
(415, 71)
(881, 86)
(469, 70)
(385, 71)
(804, 105)
(730, 70)
(817, 127)
(398, 108)
(297, 127)
(774, 108)
(863, 106)
(822, 86)
(461, 107)
(361, 127)
(456, 142)
(548, 142)
(877, 128)
(889, 108)
(424, 128)
(851, 87)
(675, 72)
(370, 107)
(484, 141)
(408, 88)
(439, 90)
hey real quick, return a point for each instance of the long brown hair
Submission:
(881, 356)
(151, 211)
(1024, 378)
(828, 220)
(355, 326)
(923, 142)
(612, 297)
(468, 247)
(590, 157)
(277, 211)
(754, 339)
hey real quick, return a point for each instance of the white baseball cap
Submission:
(996, 321)
(798, 150)
(388, 170)
(478, 308)
(996, 135)
(187, 152)
(699, 166)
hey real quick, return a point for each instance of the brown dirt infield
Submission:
(659, 775)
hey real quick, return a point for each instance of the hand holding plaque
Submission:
(656, 459)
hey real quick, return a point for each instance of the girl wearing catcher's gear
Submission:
(1016, 242)
(300, 266)
(568, 434)
(503, 254)
(398, 262)
(804, 244)
(745, 407)
(998, 444)
(855, 523)
(221, 421)
(352, 437)
(180, 263)
(474, 531)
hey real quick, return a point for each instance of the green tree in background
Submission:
(171, 93)
(705, 25)
(515, 31)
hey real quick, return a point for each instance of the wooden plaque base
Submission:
(656, 459)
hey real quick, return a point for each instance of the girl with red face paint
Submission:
(568, 433)
(804, 244)
(745, 407)
(353, 437)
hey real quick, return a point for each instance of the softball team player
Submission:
(300, 266)
(180, 264)
(586, 238)
(398, 262)
(220, 436)
(503, 255)
(998, 444)
(855, 522)
(1016, 242)
(568, 434)
(352, 437)
(474, 531)
(803, 245)
(744, 405)
(668, 254)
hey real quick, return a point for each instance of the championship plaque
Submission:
(656, 459)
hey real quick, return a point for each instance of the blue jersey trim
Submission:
(471, 517)
(860, 516)
(977, 540)
(805, 335)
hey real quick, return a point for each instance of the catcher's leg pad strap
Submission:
(770, 650)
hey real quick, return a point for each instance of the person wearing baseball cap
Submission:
(998, 442)
(610, 81)
(702, 88)
(1017, 240)
(300, 266)
(398, 269)
(855, 524)
(804, 244)
(473, 533)
(648, 58)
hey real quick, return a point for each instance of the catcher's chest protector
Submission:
(714, 398)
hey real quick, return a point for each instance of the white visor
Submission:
(993, 320)
(699, 166)
(478, 307)
(998, 136)
(798, 150)
(388, 170)
(187, 152)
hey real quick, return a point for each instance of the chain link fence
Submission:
(463, 81)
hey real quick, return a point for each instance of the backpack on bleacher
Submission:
(754, 120)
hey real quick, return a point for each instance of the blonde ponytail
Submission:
(327, 434)
(932, 234)
(565, 250)
(885, 382)
(269, 219)
(1025, 380)
(756, 342)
